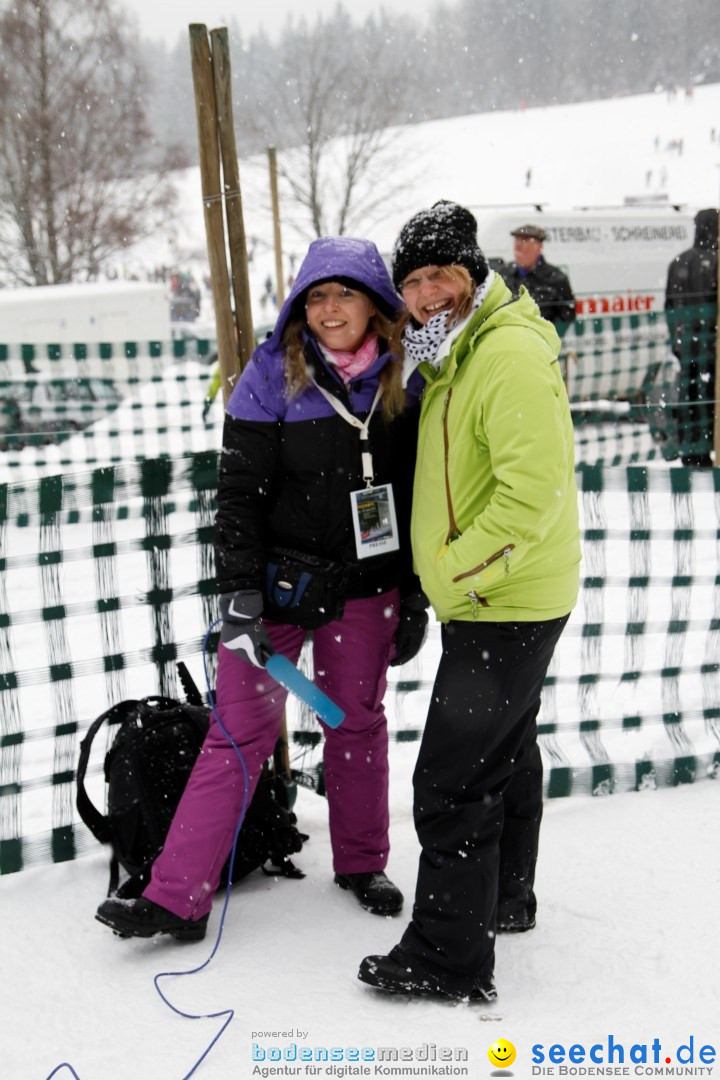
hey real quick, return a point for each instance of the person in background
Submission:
(315, 435)
(496, 544)
(691, 311)
(548, 285)
(213, 387)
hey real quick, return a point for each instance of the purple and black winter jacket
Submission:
(288, 466)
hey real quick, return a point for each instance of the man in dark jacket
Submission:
(547, 284)
(691, 312)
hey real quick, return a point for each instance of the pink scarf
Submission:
(350, 364)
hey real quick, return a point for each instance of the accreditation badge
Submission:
(373, 511)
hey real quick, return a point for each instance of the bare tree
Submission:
(330, 99)
(74, 145)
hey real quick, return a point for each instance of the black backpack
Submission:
(146, 769)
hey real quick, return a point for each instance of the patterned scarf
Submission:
(423, 342)
(352, 364)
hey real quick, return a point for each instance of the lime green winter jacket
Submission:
(495, 519)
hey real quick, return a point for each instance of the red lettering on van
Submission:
(617, 304)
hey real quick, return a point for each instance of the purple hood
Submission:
(329, 258)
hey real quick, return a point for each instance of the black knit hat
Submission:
(444, 235)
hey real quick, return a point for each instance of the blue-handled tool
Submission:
(284, 672)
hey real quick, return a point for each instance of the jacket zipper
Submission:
(504, 553)
(477, 601)
(453, 531)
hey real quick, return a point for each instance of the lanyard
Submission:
(363, 427)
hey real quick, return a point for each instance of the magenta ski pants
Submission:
(351, 657)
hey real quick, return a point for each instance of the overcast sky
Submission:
(167, 19)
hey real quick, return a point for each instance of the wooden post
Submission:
(216, 137)
(272, 161)
(220, 45)
(209, 152)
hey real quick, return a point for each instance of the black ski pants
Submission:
(479, 747)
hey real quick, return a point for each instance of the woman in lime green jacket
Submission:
(496, 544)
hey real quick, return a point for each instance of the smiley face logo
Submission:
(501, 1054)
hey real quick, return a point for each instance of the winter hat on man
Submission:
(444, 235)
(529, 232)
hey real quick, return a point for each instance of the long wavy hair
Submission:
(297, 376)
(460, 311)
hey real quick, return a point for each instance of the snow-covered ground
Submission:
(626, 944)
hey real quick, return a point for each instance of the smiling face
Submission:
(338, 315)
(432, 289)
(501, 1053)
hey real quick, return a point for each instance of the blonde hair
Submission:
(297, 376)
(460, 311)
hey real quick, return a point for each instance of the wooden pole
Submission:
(209, 153)
(220, 45)
(216, 137)
(272, 161)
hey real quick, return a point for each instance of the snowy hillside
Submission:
(590, 154)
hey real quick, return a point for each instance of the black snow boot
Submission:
(397, 974)
(374, 891)
(483, 990)
(142, 918)
(514, 915)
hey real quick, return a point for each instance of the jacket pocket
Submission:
(503, 553)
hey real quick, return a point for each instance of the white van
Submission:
(617, 262)
(97, 311)
(40, 328)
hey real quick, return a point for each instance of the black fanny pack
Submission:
(303, 590)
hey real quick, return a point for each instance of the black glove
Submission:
(242, 628)
(412, 628)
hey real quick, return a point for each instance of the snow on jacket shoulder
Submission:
(495, 521)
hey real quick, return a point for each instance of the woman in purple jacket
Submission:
(316, 462)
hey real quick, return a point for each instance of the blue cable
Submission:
(227, 1013)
